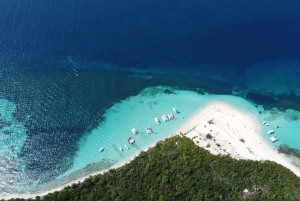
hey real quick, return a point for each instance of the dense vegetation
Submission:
(177, 169)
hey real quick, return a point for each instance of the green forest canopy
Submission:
(177, 169)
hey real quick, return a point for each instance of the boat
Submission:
(267, 124)
(170, 115)
(130, 140)
(148, 130)
(156, 120)
(270, 132)
(273, 139)
(264, 122)
(277, 126)
(165, 118)
(134, 131)
(126, 146)
(175, 110)
(101, 149)
(121, 149)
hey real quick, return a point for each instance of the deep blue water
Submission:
(147, 33)
(63, 63)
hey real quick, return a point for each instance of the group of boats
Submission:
(165, 118)
(273, 138)
(120, 148)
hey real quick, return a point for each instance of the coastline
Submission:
(233, 132)
(58, 188)
(228, 126)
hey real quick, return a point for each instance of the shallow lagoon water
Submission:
(139, 112)
(136, 112)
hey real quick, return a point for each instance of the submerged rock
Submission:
(285, 149)
(7, 132)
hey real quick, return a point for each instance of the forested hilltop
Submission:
(177, 169)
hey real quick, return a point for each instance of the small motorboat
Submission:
(148, 130)
(121, 149)
(267, 125)
(273, 139)
(264, 122)
(101, 149)
(165, 118)
(156, 120)
(175, 110)
(134, 131)
(277, 126)
(130, 140)
(270, 132)
(126, 146)
(170, 115)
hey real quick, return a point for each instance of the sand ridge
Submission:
(233, 132)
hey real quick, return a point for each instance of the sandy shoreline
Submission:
(233, 132)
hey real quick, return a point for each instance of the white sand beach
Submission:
(233, 132)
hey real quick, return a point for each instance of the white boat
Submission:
(156, 120)
(264, 122)
(101, 149)
(170, 115)
(165, 118)
(277, 126)
(126, 146)
(175, 110)
(134, 131)
(148, 130)
(273, 139)
(130, 140)
(270, 132)
(121, 149)
(267, 124)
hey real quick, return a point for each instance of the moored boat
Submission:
(131, 140)
(165, 118)
(101, 149)
(148, 130)
(126, 146)
(273, 139)
(156, 120)
(121, 149)
(134, 131)
(270, 132)
(170, 115)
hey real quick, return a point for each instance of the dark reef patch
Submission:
(269, 101)
(261, 98)
(289, 151)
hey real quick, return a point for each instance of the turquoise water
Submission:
(12, 138)
(139, 112)
(289, 127)
(136, 112)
